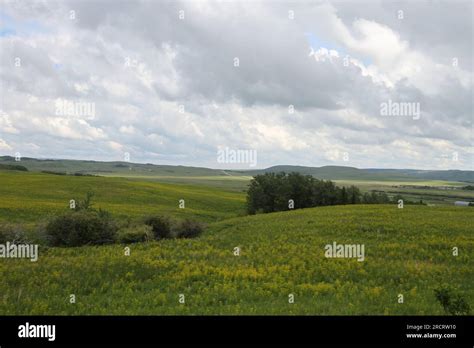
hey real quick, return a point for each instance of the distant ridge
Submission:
(120, 168)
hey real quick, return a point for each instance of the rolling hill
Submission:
(128, 169)
(27, 197)
(407, 251)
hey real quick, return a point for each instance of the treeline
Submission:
(65, 173)
(13, 167)
(271, 192)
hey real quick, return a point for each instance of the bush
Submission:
(135, 234)
(452, 303)
(86, 203)
(12, 233)
(188, 229)
(82, 227)
(161, 226)
(53, 172)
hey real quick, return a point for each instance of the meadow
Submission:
(27, 197)
(408, 251)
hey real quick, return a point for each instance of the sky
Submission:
(367, 84)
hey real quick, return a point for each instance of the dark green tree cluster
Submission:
(376, 198)
(272, 192)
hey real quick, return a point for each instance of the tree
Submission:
(354, 195)
(344, 198)
(271, 192)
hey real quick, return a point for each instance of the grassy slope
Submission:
(408, 251)
(232, 183)
(27, 197)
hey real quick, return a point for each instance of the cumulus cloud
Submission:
(300, 83)
(4, 146)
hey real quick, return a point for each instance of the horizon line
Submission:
(231, 169)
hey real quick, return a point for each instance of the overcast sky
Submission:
(298, 82)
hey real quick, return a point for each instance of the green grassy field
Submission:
(407, 251)
(27, 197)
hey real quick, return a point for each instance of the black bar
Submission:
(242, 329)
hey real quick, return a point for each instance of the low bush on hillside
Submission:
(85, 225)
(135, 234)
(82, 174)
(452, 302)
(161, 226)
(188, 229)
(86, 203)
(76, 228)
(164, 227)
(52, 172)
(13, 233)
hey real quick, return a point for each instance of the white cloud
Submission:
(138, 63)
(4, 146)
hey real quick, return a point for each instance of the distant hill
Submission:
(351, 173)
(119, 168)
(108, 168)
(448, 175)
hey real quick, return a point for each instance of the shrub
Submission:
(135, 234)
(76, 228)
(86, 203)
(161, 226)
(14, 234)
(188, 229)
(452, 303)
(53, 172)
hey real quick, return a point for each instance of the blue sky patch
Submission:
(317, 42)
